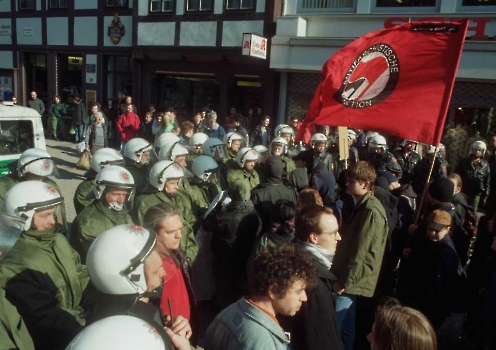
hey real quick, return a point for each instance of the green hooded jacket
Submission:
(44, 279)
(84, 195)
(252, 179)
(13, 331)
(145, 201)
(95, 219)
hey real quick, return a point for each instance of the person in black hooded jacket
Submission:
(265, 195)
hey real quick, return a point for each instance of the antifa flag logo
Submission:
(371, 78)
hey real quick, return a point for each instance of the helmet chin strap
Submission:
(115, 206)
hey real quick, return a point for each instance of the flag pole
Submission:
(426, 187)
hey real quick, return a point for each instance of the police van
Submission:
(20, 128)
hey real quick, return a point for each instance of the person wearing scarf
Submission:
(315, 325)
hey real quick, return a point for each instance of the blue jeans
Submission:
(345, 315)
(79, 132)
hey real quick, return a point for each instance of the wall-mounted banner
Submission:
(254, 45)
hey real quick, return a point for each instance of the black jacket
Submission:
(79, 114)
(315, 325)
(387, 162)
(257, 138)
(421, 171)
(407, 164)
(476, 178)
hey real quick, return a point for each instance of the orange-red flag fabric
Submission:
(396, 81)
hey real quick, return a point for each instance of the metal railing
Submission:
(326, 4)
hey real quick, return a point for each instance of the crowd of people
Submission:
(234, 235)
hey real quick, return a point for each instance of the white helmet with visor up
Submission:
(37, 162)
(114, 177)
(196, 142)
(246, 154)
(115, 260)
(278, 146)
(204, 167)
(139, 149)
(170, 151)
(163, 171)
(27, 198)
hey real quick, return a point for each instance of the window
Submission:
(240, 5)
(58, 4)
(27, 4)
(117, 3)
(401, 3)
(199, 5)
(479, 3)
(166, 6)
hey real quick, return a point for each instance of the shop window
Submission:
(27, 4)
(163, 6)
(411, 3)
(240, 5)
(117, 3)
(479, 3)
(119, 75)
(199, 5)
(58, 4)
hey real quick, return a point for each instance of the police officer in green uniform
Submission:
(114, 190)
(164, 187)
(139, 156)
(278, 147)
(42, 275)
(204, 185)
(246, 159)
(195, 143)
(33, 164)
(233, 142)
(84, 195)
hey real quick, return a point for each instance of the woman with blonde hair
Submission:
(398, 327)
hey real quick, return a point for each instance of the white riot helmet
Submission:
(37, 162)
(232, 136)
(263, 152)
(115, 260)
(246, 154)
(119, 332)
(352, 135)
(28, 197)
(280, 142)
(377, 142)
(442, 151)
(114, 177)
(136, 148)
(203, 167)
(105, 157)
(317, 138)
(196, 141)
(164, 138)
(407, 141)
(214, 146)
(478, 146)
(170, 151)
(163, 171)
(369, 135)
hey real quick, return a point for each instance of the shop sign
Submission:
(477, 25)
(254, 45)
(116, 30)
(28, 31)
(5, 30)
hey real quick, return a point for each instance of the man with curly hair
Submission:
(277, 285)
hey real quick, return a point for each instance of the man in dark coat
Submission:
(265, 195)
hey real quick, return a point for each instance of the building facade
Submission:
(182, 54)
(310, 31)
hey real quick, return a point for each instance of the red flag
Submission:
(397, 81)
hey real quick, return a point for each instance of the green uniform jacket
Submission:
(93, 221)
(289, 165)
(9, 181)
(44, 279)
(140, 176)
(13, 331)
(358, 259)
(202, 197)
(84, 195)
(252, 178)
(145, 201)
